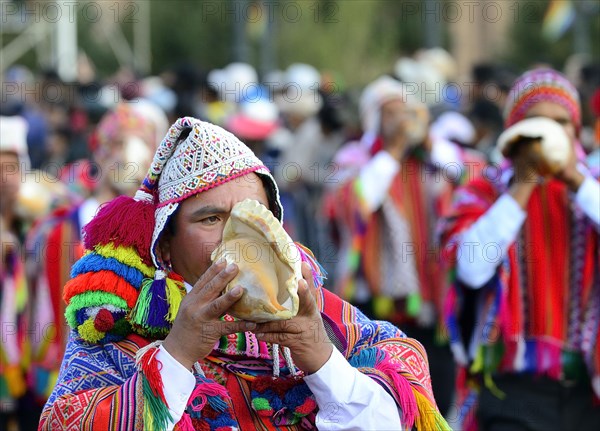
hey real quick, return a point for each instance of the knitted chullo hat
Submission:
(208, 157)
(541, 85)
(122, 285)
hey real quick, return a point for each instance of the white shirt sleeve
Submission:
(349, 400)
(484, 245)
(376, 178)
(179, 383)
(446, 155)
(588, 199)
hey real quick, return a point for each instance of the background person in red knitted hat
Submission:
(152, 345)
(525, 318)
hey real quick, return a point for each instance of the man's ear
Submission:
(164, 246)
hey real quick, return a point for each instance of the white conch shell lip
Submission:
(273, 254)
(555, 143)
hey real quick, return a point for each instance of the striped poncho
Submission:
(109, 378)
(100, 386)
(540, 312)
(418, 196)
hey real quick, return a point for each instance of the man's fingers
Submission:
(235, 327)
(213, 287)
(209, 274)
(219, 306)
(283, 339)
(306, 299)
(308, 275)
(285, 326)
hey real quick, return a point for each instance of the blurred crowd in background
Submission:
(66, 148)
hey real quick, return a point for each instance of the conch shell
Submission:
(553, 143)
(269, 263)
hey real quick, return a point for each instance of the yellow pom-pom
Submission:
(88, 332)
(383, 306)
(14, 380)
(51, 383)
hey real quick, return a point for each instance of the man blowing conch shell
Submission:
(154, 346)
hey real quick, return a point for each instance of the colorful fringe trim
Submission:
(208, 405)
(156, 410)
(416, 409)
(208, 408)
(319, 273)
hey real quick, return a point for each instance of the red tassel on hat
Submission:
(124, 221)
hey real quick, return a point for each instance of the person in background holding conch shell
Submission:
(525, 318)
(152, 345)
(385, 215)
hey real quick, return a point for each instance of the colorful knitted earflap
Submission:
(121, 284)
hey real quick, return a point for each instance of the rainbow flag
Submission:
(559, 16)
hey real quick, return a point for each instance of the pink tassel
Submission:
(548, 359)
(185, 423)
(555, 356)
(123, 221)
(408, 402)
(205, 390)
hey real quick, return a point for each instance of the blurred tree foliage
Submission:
(528, 46)
(359, 38)
(184, 31)
(356, 39)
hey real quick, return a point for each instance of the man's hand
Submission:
(197, 326)
(396, 146)
(304, 334)
(393, 127)
(527, 163)
(570, 175)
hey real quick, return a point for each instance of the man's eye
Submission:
(563, 121)
(210, 220)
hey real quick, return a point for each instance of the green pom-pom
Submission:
(261, 404)
(122, 328)
(413, 304)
